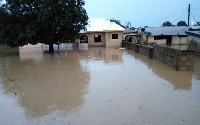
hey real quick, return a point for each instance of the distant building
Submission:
(102, 32)
(131, 35)
(169, 35)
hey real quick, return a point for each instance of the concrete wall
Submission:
(195, 39)
(91, 39)
(179, 40)
(113, 42)
(145, 50)
(182, 60)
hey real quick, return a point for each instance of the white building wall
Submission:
(160, 42)
(179, 40)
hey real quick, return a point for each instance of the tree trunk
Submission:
(51, 50)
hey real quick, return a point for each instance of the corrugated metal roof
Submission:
(168, 30)
(197, 33)
(195, 27)
(102, 25)
(128, 30)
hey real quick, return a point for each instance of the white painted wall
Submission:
(161, 41)
(179, 40)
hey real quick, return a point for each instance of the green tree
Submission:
(197, 24)
(42, 21)
(181, 23)
(116, 21)
(167, 23)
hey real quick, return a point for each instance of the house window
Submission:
(97, 38)
(114, 36)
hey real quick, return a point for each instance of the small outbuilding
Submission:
(131, 35)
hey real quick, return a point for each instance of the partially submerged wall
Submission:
(182, 60)
(196, 39)
(146, 50)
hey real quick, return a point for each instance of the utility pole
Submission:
(189, 15)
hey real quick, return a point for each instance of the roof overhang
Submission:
(113, 30)
(193, 33)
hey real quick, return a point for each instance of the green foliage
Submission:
(10, 78)
(116, 21)
(44, 21)
(167, 23)
(181, 23)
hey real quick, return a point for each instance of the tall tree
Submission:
(43, 21)
(167, 23)
(116, 21)
(181, 23)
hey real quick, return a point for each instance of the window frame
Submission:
(115, 36)
(97, 39)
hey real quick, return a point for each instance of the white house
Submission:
(102, 32)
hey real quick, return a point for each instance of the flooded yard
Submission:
(98, 86)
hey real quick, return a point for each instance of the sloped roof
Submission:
(167, 30)
(195, 33)
(128, 30)
(195, 27)
(102, 25)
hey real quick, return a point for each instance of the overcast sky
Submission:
(143, 12)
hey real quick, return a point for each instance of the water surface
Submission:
(96, 86)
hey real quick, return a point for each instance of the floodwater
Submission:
(98, 86)
(180, 47)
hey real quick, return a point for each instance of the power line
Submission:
(194, 17)
(172, 16)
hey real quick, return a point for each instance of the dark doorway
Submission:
(130, 39)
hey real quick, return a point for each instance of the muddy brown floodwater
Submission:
(98, 86)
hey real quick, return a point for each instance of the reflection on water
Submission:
(48, 82)
(180, 80)
(197, 67)
(97, 86)
(108, 55)
(45, 83)
(180, 47)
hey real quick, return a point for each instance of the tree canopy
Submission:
(116, 21)
(197, 24)
(181, 23)
(41, 21)
(167, 23)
